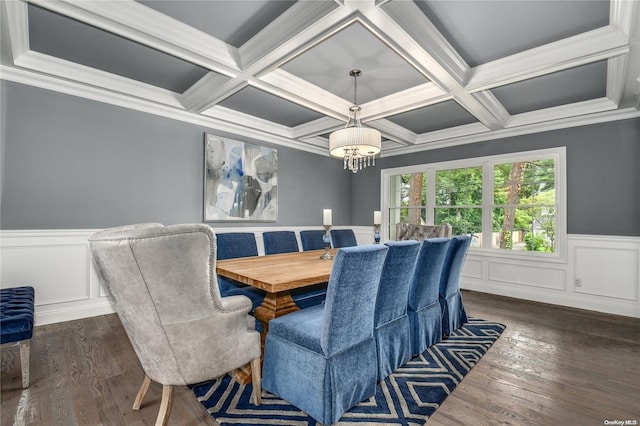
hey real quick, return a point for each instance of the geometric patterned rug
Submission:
(409, 396)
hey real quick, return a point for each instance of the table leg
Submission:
(273, 306)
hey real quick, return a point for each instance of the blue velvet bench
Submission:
(16, 323)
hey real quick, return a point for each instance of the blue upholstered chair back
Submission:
(343, 238)
(351, 294)
(312, 239)
(396, 278)
(280, 242)
(426, 275)
(232, 245)
(450, 279)
(424, 309)
(392, 324)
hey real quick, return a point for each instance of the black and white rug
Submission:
(408, 397)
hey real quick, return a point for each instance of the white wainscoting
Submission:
(602, 273)
(58, 265)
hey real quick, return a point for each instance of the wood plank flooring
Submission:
(552, 366)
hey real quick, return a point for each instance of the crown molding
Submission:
(249, 121)
(560, 124)
(576, 109)
(452, 133)
(131, 102)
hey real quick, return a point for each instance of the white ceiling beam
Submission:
(621, 15)
(17, 22)
(287, 32)
(405, 100)
(490, 103)
(144, 25)
(267, 50)
(418, 41)
(602, 43)
(210, 90)
(288, 86)
(64, 69)
(616, 78)
(393, 131)
(316, 127)
(407, 18)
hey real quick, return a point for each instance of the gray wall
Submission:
(603, 174)
(72, 163)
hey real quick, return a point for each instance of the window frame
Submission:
(487, 163)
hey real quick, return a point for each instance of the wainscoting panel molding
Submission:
(602, 273)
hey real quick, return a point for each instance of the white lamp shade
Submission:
(365, 139)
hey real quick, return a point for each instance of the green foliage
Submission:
(458, 201)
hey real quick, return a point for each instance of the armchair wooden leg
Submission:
(165, 405)
(142, 392)
(25, 346)
(256, 379)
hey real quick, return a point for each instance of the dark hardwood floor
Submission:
(552, 366)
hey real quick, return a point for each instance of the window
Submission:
(459, 199)
(512, 203)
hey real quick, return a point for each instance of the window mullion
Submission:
(431, 196)
(487, 204)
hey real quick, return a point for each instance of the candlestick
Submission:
(327, 243)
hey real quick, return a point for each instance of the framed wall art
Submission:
(240, 181)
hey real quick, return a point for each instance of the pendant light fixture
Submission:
(356, 145)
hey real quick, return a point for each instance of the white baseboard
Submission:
(57, 264)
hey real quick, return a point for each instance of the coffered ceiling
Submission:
(435, 73)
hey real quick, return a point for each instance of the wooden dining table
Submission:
(277, 275)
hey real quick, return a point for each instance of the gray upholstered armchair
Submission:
(163, 280)
(410, 231)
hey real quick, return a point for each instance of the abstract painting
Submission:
(240, 181)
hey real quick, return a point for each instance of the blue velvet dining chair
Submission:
(425, 315)
(323, 359)
(232, 245)
(343, 238)
(312, 239)
(392, 327)
(276, 242)
(453, 313)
